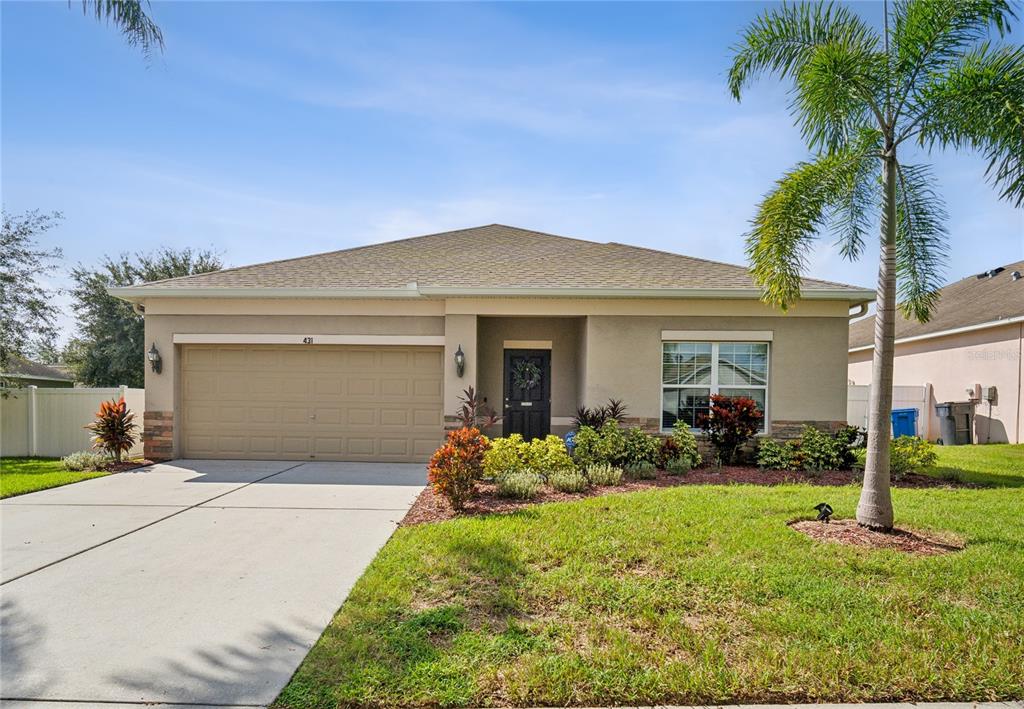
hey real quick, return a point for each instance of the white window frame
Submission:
(714, 386)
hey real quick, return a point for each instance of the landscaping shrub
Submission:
(910, 454)
(113, 430)
(778, 455)
(613, 442)
(548, 455)
(604, 474)
(586, 449)
(641, 470)
(685, 443)
(641, 446)
(568, 481)
(522, 485)
(854, 438)
(731, 422)
(820, 451)
(607, 445)
(595, 417)
(455, 467)
(678, 466)
(84, 460)
(505, 455)
(473, 412)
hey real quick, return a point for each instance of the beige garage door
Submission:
(297, 402)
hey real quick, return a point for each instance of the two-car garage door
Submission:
(302, 402)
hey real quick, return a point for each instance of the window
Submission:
(692, 371)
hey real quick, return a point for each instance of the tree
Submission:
(933, 78)
(109, 347)
(130, 17)
(27, 312)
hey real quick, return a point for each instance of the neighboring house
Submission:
(23, 373)
(970, 349)
(352, 355)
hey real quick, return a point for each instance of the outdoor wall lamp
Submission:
(154, 358)
(460, 361)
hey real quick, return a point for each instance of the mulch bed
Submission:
(430, 507)
(127, 465)
(847, 531)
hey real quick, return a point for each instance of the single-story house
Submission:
(970, 350)
(362, 354)
(23, 373)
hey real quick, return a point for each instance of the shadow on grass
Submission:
(961, 474)
(372, 649)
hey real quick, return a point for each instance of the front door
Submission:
(527, 393)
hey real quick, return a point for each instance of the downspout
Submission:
(1020, 374)
(862, 308)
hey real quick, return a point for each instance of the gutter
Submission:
(137, 293)
(944, 333)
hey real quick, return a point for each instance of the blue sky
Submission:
(270, 130)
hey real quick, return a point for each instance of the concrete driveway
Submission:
(193, 582)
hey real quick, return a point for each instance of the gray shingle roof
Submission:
(489, 257)
(19, 367)
(970, 301)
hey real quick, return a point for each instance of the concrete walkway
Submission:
(194, 582)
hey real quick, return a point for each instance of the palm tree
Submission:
(130, 17)
(931, 79)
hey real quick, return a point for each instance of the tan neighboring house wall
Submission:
(958, 363)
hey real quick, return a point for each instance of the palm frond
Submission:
(834, 94)
(921, 241)
(783, 40)
(805, 200)
(856, 208)
(979, 103)
(130, 17)
(928, 35)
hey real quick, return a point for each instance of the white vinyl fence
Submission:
(49, 422)
(903, 397)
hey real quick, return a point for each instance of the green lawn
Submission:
(21, 475)
(996, 464)
(688, 595)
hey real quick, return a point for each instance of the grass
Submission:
(689, 595)
(21, 475)
(1000, 464)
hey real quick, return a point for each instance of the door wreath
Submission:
(526, 375)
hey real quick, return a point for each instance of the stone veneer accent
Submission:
(650, 425)
(158, 435)
(787, 430)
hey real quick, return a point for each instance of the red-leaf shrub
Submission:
(113, 430)
(457, 465)
(731, 422)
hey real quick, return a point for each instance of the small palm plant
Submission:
(113, 430)
(863, 99)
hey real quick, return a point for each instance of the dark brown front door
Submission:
(527, 393)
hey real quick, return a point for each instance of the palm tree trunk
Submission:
(875, 507)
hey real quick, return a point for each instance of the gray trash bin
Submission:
(956, 422)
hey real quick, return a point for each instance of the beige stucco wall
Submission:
(601, 348)
(807, 377)
(954, 364)
(459, 331)
(565, 334)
